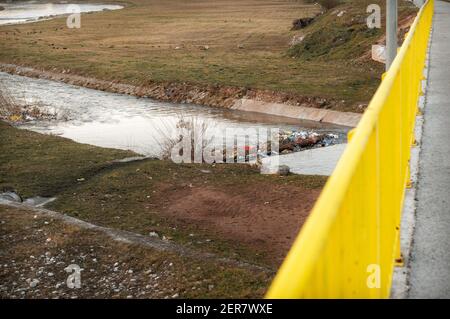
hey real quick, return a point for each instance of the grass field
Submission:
(247, 41)
(231, 209)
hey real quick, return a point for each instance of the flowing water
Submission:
(25, 12)
(126, 122)
(120, 121)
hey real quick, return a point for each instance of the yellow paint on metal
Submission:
(350, 243)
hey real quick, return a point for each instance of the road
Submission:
(430, 260)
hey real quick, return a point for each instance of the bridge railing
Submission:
(350, 243)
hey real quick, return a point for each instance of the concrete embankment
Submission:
(298, 112)
(253, 100)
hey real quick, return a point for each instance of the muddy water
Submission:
(25, 12)
(126, 122)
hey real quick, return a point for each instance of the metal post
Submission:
(391, 32)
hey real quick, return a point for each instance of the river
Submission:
(120, 121)
(30, 11)
(126, 122)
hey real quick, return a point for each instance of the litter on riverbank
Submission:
(295, 141)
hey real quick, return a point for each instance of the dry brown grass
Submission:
(164, 41)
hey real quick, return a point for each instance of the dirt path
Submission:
(127, 237)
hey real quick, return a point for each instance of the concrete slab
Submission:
(299, 112)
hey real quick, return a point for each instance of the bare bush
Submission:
(170, 136)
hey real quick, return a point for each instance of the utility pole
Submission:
(391, 32)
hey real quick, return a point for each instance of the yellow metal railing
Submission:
(350, 243)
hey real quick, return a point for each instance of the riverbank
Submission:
(125, 122)
(226, 210)
(271, 103)
(211, 54)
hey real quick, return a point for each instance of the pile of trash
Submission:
(295, 141)
(289, 142)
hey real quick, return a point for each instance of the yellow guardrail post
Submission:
(350, 243)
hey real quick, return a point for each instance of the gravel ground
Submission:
(36, 250)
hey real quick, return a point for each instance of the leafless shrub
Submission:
(170, 135)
